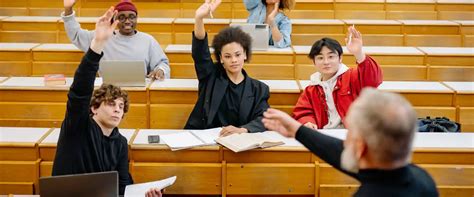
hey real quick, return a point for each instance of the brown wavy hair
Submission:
(107, 93)
(284, 4)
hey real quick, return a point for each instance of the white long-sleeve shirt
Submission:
(140, 46)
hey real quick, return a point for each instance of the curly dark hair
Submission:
(284, 4)
(108, 93)
(230, 35)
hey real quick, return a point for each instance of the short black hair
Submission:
(330, 43)
(230, 35)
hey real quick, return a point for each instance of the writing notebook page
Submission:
(208, 136)
(181, 140)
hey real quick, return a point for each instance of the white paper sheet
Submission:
(141, 188)
(208, 136)
(181, 140)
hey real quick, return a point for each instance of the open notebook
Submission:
(246, 141)
(191, 138)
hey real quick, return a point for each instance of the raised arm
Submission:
(200, 49)
(80, 37)
(82, 87)
(203, 11)
(368, 72)
(325, 147)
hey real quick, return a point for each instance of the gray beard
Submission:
(349, 161)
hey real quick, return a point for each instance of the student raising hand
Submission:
(354, 44)
(206, 9)
(103, 30)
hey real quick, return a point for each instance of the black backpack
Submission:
(438, 125)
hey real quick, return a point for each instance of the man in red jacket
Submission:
(325, 102)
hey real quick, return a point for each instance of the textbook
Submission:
(141, 188)
(191, 138)
(246, 141)
(54, 80)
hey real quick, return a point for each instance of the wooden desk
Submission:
(378, 32)
(430, 27)
(30, 23)
(47, 149)
(372, 9)
(428, 98)
(450, 63)
(29, 29)
(317, 26)
(404, 9)
(160, 28)
(464, 103)
(183, 28)
(15, 59)
(283, 94)
(199, 169)
(171, 102)
(56, 58)
(19, 159)
(467, 26)
(309, 9)
(37, 105)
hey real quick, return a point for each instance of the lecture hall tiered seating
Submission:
(425, 48)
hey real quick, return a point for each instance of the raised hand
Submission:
(206, 8)
(281, 122)
(68, 4)
(270, 20)
(354, 44)
(104, 30)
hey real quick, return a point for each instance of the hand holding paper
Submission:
(142, 188)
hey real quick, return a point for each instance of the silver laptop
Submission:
(101, 184)
(123, 73)
(260, 34)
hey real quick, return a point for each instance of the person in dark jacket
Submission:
(377, 148)
(228, 97)
(89, 140)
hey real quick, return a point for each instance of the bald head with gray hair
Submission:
(386, 122)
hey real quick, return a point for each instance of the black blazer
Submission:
(212, 87)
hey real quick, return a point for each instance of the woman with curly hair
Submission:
(228, 97)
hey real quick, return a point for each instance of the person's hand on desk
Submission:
(229, 130)
(154, 192)
(157, 74)
(276, 120)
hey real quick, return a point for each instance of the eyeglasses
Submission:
(123, 18)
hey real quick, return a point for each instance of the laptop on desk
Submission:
(123, 73)
(100, 184)
(260, 34)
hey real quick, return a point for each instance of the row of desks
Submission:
(442, 33)
(375, 9)
(299, 26)
(398, 63)
(28, 153)
(167, 104)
